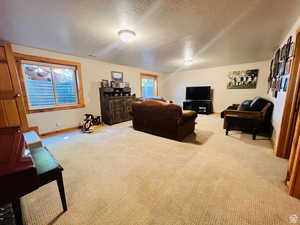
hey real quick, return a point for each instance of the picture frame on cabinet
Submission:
(104, 83)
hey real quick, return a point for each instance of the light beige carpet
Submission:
(120, 176)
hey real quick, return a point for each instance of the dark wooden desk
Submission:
(48, 170)
(22, 173)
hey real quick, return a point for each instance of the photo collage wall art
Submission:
(244, 79)
(280, 68)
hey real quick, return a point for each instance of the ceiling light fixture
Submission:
(126, 35)
(188, 62)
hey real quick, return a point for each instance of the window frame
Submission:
(152, 76)
(78, 80)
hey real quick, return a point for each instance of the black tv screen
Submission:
(198, 93)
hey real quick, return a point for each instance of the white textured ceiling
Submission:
(213, 32)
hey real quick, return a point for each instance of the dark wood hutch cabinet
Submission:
(115, 104)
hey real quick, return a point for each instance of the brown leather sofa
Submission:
(163, 119)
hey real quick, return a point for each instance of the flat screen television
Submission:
(198, 93)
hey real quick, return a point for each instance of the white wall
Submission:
(174, 84)
(93, 71)
(280, 100)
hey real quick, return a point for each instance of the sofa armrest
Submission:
(244, 114)
(232, 107)
(187, 115)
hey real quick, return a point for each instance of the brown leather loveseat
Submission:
(163, 119)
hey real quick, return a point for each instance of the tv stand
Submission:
(200, 106)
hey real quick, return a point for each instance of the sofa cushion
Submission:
(258, 104)
(156, 98)
(245, 105)
(158, 107)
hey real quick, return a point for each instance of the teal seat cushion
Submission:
(44, 161)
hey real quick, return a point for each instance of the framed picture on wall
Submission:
(286, 82)
(244, 79)
(291, 50)
(288, 67)
(117, 76)
(281, 68)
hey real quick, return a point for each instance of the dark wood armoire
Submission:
(116, 104)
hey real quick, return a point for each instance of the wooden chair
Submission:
(48, 170)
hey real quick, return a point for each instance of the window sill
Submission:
(56, 108)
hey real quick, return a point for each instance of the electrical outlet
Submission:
(57, 124)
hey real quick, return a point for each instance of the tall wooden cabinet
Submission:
(12, 111)
(115, 105)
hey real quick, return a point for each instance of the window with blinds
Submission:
(49, 85)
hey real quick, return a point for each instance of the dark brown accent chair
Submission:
(254, 119)
(163, 119)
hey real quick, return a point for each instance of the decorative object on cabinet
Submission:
(116, 104)
(121, 85)
(113, 84)
(117, 76)
(104, 83)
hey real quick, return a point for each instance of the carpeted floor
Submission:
(119, 176)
